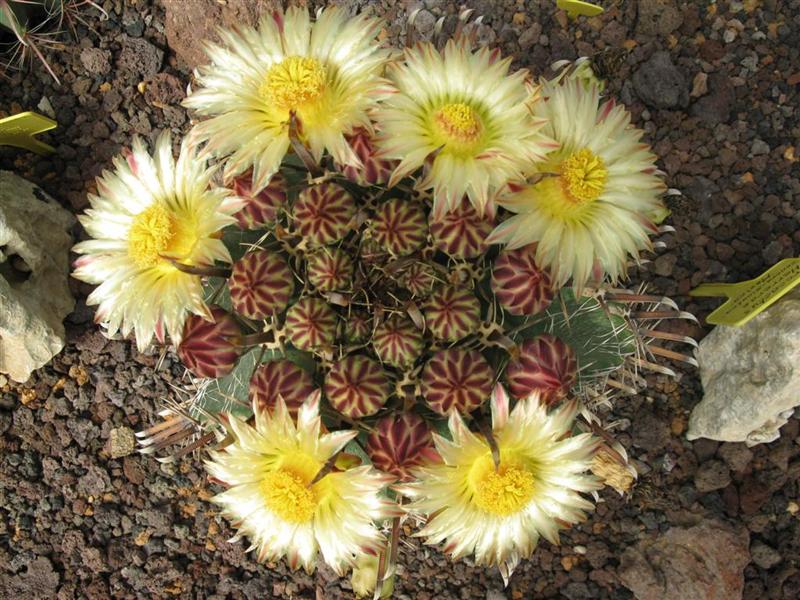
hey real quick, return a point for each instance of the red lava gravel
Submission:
(715, 86)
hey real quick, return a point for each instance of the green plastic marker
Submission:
(19, 131)
(575, 8)
(748, 298)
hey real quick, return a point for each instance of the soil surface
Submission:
(716, 87)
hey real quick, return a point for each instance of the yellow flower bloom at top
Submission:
(149, 213)
(598, 195)
(462, 116)
(498, 512)
(328, 74)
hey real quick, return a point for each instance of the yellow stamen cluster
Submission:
(458, 122)
(584, 176)
(504, 491)
(293, 82)
(288, 496)
(150, 235)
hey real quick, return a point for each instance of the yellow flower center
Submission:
(286, 489)
(156, 232)
(501, 491)
(293, 82)
(150, 235)
(289, 496)
(584, 176)
(459, 123)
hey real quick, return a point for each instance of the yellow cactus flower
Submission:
(465, 118)
(148, 213)
(596, 199)
(276, 501)
(328, 74)
(499, 512)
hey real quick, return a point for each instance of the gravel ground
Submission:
(715, 86)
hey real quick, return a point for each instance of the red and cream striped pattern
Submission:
(519, 284)
(280, 378)
(323, 213)
(311, 324)
(357, 386)
(261, 284)
(400, 227)
(329, 269)
(400, 443)
(207, 348)
(452, 313)
(457, 379)
(397, 341)
(545, 365)
(356, 327)
(260, 209)
(373, 170)
(461, 232)
(419, 279)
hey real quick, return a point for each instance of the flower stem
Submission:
(300, 148)
(254, 339)
(202, 270)
(483, 425)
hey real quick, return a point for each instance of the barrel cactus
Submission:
(426, 284)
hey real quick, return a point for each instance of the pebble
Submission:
(122, 442)
(660, 84)
(96, 61)
(712, 475)
(759, 147)
(764, 556)
(736, 456)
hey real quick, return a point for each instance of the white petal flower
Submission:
(269, 469)
(600, 192)
(499, 513)
(328, 74)
(462, 113)
(149, 212)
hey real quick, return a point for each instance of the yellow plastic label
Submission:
(18, 131)
(748, 298)
(575, 8)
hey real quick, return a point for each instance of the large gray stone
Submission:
(34, 269)
(750, 376)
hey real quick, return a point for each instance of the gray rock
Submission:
(736, 456)
(759, 147)
(705, 562)
(664, 264)
(140, 57)
(96, 60)
(765, 556)
(425, 23)
(658, 17)
(751, 377)
(38, 581)
(660, 84)
(712, 475)
(34, 269)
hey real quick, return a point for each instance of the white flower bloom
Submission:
(463, 116)
(328, 74)
(599, 193)
(149, 212)
(269, 469)
(499, 513)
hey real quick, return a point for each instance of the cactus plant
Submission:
(395, 272)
